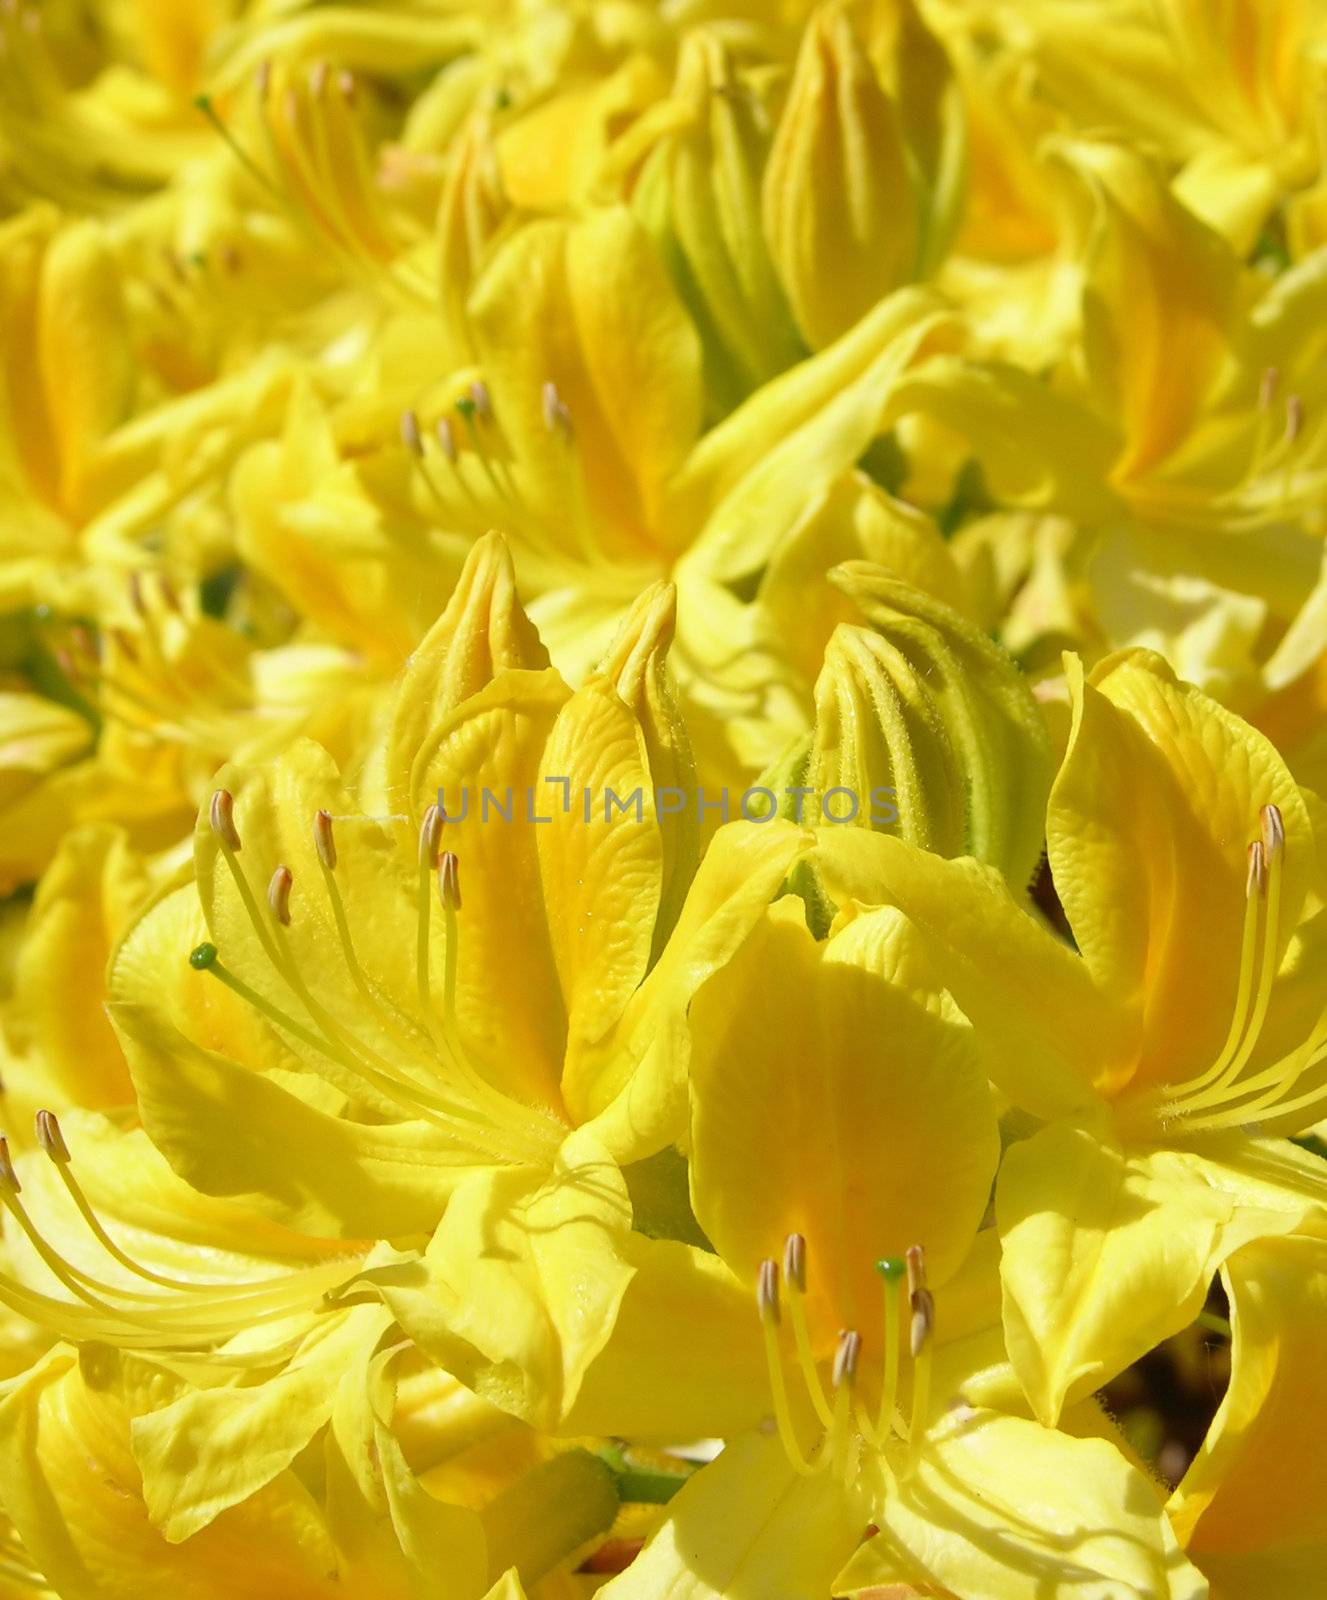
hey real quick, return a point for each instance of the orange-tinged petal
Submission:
(837, 1093)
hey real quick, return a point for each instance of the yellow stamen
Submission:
(794, 1271)
(767, 1303)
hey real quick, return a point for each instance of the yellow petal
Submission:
(685, 1360)
(809, 1060)
(1252, 1509)
(81, 906)
(520, 1286)
(70, 1485)
(1003, 1508)
(1105, 1254)
(747, 1524)
(1041, 1021)
(634, 1084)
(1147, 830)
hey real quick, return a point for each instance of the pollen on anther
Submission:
(1273, 831)
(449, 881)
(410, 434)
(767, 1291)
(1267, 388)
(794, 1261)
(221, 814)
(278, 894)
(324, 840)
(916, 1260)
(430, 837)
(1256, 881)
(50, 1137)
(846, 1357)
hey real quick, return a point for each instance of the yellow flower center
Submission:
(186, 1314)
(431, 1076)
(1226, 1095)
(843, 1415)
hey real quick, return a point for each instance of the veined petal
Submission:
(685, 1360)
(633, 1085)
(1041, 1022)
(71, 1487)
(1105, 1254)
(837, 1093)
(1005, 1509)
(521, 1284)
(747, 1527)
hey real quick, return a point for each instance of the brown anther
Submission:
(430, 837)
(169, 595)
(345, 82)
(230, 257)
(1294, 418)
(1256, 881)
(124, 644)
(446, 438)
(1267, 387)
(550, 401)
(290, 106)
(767, 1291)
(318, 76)
(262, 78)
(410, 434)
(915, 1256)
(480, 395)
(8, 1176)
(278, 894)
(221, 814)
(324, 841)
(50, 1137)
(794, 1261)
(923, 1320)
(449, 881)
(1273, 832)
(846, 1357)
(136, 599)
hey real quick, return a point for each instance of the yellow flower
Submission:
(1162, 1078)
(896, 1458)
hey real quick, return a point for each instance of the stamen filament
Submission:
(767, 1301)
(794, 1268)
(891, 1270)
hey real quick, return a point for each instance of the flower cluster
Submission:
(664, 766)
